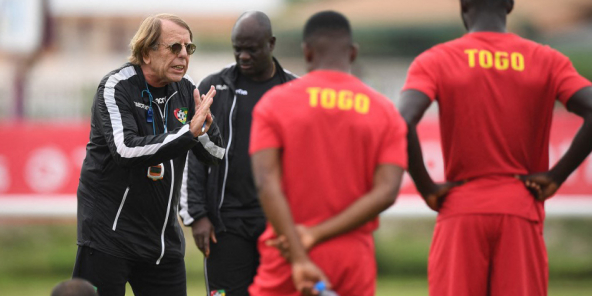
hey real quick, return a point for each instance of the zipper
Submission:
(164, 116)
(167, 212)
(120, 207)
(205, 266)
(227, 149)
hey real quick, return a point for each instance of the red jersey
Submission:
(495, 93)
(333, 131)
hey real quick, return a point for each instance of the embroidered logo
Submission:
(221, 86)
(160, 100)
(241, 92)
(181, 114)
(218, 293)
(140, 105)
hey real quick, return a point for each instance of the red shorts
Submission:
(494, 255)
(347, 260)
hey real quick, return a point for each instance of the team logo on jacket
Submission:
(218, 293)
(181, 114)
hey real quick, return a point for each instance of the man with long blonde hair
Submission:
(146, 116)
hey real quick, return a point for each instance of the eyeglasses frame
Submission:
(189, 47)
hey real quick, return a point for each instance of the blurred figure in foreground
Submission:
(328, 154)
(74, 287)
(496, 92)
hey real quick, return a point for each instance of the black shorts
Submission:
(110, 274)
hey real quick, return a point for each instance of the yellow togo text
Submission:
(500, 60)
(344, 99)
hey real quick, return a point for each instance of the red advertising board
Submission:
(44, 158)
(41, 158)
(563, 129)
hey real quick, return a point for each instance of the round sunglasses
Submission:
(176, 47)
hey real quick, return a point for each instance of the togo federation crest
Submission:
(218, 293)
(181, 114)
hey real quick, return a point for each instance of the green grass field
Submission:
(36, 256)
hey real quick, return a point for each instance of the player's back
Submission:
(496, 103)
(495, 93)
(331, 127)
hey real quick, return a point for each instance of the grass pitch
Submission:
(35, 256)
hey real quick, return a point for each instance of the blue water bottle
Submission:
(323, 291)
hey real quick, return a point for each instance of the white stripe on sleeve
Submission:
(117, 124)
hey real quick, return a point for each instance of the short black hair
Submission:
(327, 23)
(74, 287)
(487, 5)
(492, 3)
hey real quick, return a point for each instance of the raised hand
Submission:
(202, 112)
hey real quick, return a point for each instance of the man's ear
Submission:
(146, 58)
(464, 5)
(509, 6)
(271, 43)
(307, 52)
(353, 54)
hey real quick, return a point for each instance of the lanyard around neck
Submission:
(150, 113)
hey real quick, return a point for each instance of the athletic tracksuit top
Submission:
(202, 192)
(121, 211)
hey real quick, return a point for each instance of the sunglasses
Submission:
(176, 47)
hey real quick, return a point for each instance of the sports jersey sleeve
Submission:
(421, 76)
(566, 80)
(393, 149)
(265, 131)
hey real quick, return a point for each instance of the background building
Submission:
(85, 39)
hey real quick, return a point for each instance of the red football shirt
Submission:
(495, 93)
(333, 131)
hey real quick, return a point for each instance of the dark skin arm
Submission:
(268, 173)
(544, 185)
(412, 107)
(387, 181)
(203, 232)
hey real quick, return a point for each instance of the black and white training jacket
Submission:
(202, 193)
(121, 211)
